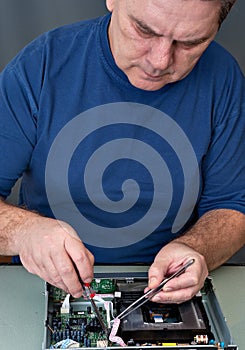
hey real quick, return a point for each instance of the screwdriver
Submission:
(90, 294)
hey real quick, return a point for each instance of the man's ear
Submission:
(110, 5)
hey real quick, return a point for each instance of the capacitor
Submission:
(85, 342)
(201, 339)
(79, 336)
(131, 342)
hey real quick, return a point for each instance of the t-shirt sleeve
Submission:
(223, 168)
(17, 126)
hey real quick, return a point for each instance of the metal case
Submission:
(196, 320)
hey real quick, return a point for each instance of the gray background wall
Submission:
(23, 20)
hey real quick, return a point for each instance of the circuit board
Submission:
(79, 322)
(82, 327)
(189, 325)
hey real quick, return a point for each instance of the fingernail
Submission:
(87, 280)
(167, 289)
(77, 295)
(152, 280)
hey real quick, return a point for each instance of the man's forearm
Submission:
(12, 224)
(217, 235)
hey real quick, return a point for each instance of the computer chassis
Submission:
(196, 324)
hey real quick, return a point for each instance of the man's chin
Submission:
(149, 85)
(147, 82)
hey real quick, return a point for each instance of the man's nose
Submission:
(161, 54)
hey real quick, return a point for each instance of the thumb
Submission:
(81, 257)
(156, 274)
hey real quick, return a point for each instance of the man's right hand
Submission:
(47, 247)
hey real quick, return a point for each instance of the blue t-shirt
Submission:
(129, 169)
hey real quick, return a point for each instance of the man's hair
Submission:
(226, 6)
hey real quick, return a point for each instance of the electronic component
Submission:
(155, 323)
(142, 299)
(72, 323)
(103, 286)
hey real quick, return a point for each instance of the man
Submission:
(77, 108)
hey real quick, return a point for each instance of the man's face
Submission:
(156, 42)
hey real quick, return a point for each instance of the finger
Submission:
(69, 276)
(189, 283)
(82, 258)
(74, 252)
(184, 291)
(162, 269)
(77, 262)
(180, 289)
(185, 286)
(189, 278)
(51, 275)
(44, 268)
(175, 297)
(156, 274)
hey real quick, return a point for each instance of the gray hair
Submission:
(225, 7)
